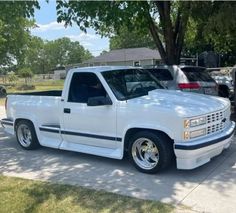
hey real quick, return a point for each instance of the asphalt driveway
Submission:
(210, 188)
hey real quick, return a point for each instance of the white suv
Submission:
(185, 78)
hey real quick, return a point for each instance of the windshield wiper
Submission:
(136, 95)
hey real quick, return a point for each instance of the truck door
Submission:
(88, 125)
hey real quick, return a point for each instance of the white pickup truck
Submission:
(110, 111)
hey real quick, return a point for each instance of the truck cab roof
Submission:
(99, 69)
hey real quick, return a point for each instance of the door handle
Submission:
(66, 110)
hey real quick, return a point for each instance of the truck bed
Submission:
(41, 106)
(54, 93)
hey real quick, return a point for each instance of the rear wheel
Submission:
(26, 135)
(150, 152)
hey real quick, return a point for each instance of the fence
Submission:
(4, 79)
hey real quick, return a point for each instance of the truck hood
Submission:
(183, 104)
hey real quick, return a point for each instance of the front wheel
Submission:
(150, 152)
(26, 135)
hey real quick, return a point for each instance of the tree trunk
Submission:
(170, 49)
(154, 32)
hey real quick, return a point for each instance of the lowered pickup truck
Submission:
(108, 111)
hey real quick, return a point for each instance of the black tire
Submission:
(224, 92)
(33, 143)
(3, 92)
(164, 146)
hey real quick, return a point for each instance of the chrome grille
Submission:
(217, 116)
(215, 128)
(215, 121)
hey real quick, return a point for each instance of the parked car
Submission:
(108, 111)
(224, 80)
(185, 78)
(3, 91)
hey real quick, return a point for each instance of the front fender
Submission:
(163, 129)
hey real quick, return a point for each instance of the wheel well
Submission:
(21, 119)
(223, 87)
(133, 131)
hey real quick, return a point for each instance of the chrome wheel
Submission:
(145, 153)
(24, 135)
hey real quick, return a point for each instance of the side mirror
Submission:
(99, 101)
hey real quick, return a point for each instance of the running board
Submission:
(93, 150)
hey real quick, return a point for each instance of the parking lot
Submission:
(210, 188)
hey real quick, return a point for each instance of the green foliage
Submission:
(164, 20)
(14, 29)
(35, 57)
(12, 77)
(131, 39)
(63, 51)
(43, 56)
(210, 25)
(25, 73)
(213, 27)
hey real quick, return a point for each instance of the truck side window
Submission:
(84, 86)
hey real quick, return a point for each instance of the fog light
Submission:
(197, 133)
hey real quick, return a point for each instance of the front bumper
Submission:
(190, 155)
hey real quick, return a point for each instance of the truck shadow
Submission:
(117, 176)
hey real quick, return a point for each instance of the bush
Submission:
(12, 78)
(25, 73)
(26, 87)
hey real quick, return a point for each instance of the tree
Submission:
(43, 56)
(165, 20)
(212, 27)
(103, 52)
(77, 53)
(35, 56)
(12, 77)
(63, 51)
(25, 73)
(14, 29)
(131, 39)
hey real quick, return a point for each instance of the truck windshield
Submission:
(131, 83)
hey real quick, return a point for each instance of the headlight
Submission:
(194, 122)
(194, 134)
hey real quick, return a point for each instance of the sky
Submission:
(49, 29)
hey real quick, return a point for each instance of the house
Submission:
(126, 57)
(59, 73)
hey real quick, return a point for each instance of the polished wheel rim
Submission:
(24, 135)
(145, 153)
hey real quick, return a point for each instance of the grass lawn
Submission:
(39, 86)
(19, 195)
